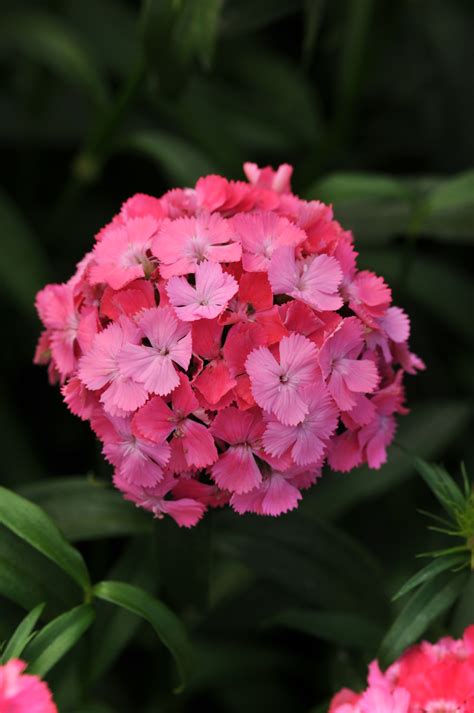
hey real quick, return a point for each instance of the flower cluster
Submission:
(428, 678)
(223, 345)
(23, 693)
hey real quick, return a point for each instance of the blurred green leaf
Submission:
(313, 12)
(426, 605)
(114, 627)
(22, 635)
(374, 206)
(47, 40)
(341, 628)
(24, 268)
(85, 509)
(166, 624)
(180, 160)
(427, 431)
(57, 638)
(31, 524)
(441, 485)
(242, 16)
(431, 571)
(449, 209)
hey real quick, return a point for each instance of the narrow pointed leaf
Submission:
(429, 572)
(426, 605)
(441, 485)
(55, 640)
(166, 624)
(30, 523)
(22, 634)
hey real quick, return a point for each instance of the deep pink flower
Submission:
(207, 298)
(346, 374)
(278, 180)
(170, 343)
(278, 386)
(23, 693)
(314, 280)
(275, 495)
(182, 244)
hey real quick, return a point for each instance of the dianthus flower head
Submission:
(23, 693)
(428, 678)
(224, 347)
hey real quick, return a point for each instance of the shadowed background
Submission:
(373, 103)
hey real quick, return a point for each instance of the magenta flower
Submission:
(314, 280)
(170, 343)
(207, 298)
(224, 347)
(183, 243)
(23, 693)
(278, 386)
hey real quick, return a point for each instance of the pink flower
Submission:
(309, 438)
(261, 234)
(347, 375)
(58, 312)
(278, 386)
(237, 470)
(122, 254)
(278, 180)
(136, 296)
(170, 343)
(182, 244)
(137, 460)
(208, 298)
(23, 693)
(99, 368)
(314, 280)
(275, 495)
(155, 421)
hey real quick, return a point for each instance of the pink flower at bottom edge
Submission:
(23, 693)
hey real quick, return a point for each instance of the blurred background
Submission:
(373, 103)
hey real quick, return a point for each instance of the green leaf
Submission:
(426, 605)
(449, 209)
(31, 524)
(427, 430)
(24, 268)
(341, 628)
(47, 40)
(166, 624)
(313, 13)
(86, 509)
(430, 572)
(56, 638)
(374, 205)
(22, 635)
(241, 16)
(441, 485)
(182, 162)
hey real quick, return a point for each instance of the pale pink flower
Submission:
(275, 495)
(278, 386)
(80, 401)
(207, 298)
(99, 368)
(345, 374)
(261, 234)
(137, 460)
(309, 438)
(122, 254)
(23, 693)
(266, 177)
(170, 343)
(155, 421)
(237, 470)
(182, 244)
(314, 280)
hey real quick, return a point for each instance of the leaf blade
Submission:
(22, 634)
